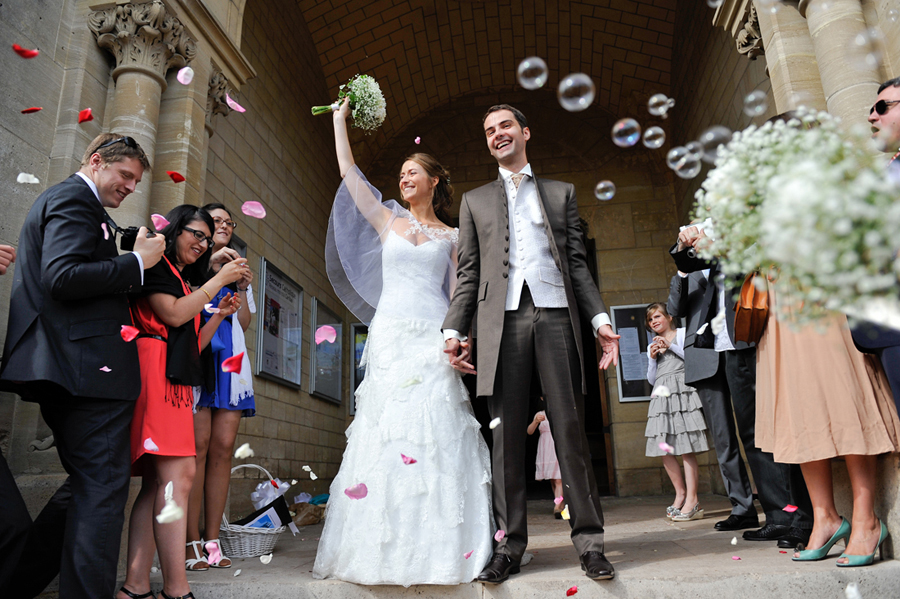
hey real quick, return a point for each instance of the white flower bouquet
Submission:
(817, 206)
(367, 103)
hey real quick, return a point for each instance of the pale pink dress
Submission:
(547, 466)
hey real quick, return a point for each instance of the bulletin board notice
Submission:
(631, 373)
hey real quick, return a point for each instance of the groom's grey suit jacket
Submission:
(483, 271)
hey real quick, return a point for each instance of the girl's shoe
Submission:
(198, 563)
(216, 558)
(813, 555)
(694, 514)
(866, 560)
(671, 511)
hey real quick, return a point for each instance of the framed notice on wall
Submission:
(631, 373)
(326, 359)
(280, 327)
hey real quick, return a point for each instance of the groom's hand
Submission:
(458, 352)
(609, 343)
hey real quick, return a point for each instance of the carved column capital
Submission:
(144, 38)
(749, 38)
(216, 102)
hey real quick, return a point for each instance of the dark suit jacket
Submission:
(68, 302)
(710, 304)
(482, 275)
(686, 300)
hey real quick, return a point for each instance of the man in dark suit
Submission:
(778, 485)
(522, 265)
(884, 116)
(704, 369)
(64, 349)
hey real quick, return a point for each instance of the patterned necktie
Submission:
(517, 178)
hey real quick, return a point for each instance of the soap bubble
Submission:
(688, 167)
(694, 150)
(893, 15)
(532, 72)
(675, 155)
(755, 103)
(605, 190)
(714, 3)
(711, 139)
(659, 105)
(575, 92)
(867, 47)
(773, 6)
(654, 137)
(626, 133)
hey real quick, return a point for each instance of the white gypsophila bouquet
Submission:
(830, 223)
(367, 104)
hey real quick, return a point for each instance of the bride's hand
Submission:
(344, 111)
(458, 351)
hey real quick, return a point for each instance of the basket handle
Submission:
(266, 472)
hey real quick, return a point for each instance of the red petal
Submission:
(85, 116)
(790, 508)
(176, 176)
(407, 460)
(128, 333)
(468, 554)
(571, 591)
(32, 109)
(24, 52)
(233, 364)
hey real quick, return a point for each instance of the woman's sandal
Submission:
(198, 563)
(216, 559)
(135, 595)
(854, 561)
(814, 555)
(190, 595)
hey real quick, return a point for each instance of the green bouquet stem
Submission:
(317, 110)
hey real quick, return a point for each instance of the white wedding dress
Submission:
(419, 521)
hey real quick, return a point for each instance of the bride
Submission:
(415, 445)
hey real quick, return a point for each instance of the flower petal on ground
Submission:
(185, 76)
(557, 500)
(234, 105)
(265, 558)
(789, 508)
(175, 176)
(468, 554)
(236, 572)
(24, 52)
(357, 491)
(734, 540)
(782, 551)
(498, 536)
(326, 333)
(149, 445)
(128, 333)
(254, 209)
(32, 110)
(666, 447)
(105, 369)
(571, 591)
(494, 423)
(85, 115)
(244, 451)
(233, 364)
(852, 591)
(735, 558)
(27, 178)
(407, 460)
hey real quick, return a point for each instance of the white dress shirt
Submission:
(723, 341)
(97, 195)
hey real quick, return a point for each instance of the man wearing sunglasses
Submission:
(64, 351)
(884, 116)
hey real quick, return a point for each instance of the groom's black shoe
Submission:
(498, 569)
(734, 522)
(596, 566)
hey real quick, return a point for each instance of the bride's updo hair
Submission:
(443, 191)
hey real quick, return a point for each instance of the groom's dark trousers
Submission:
(541, 340)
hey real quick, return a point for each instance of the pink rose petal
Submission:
(105, 230)
(357, 491)
(209, 308)
(735, 558)
(159, 221)
(418, 140)
(468, 554)
(185, 76)
(407, 460)
(233, 364)
(215, 554)
(558, 500)
(149, 445)
(790, 508)
(666, 447)
(571, 591)
(105, 369)
(254, 209)
(128, 333)
(498, 536)
(234, 105)
(325, 333)
(85, 116)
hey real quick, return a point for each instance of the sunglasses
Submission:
(199, 236)
(128, 141)
(228, 223)
(882, 106)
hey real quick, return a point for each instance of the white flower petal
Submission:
(494, 423)
(243, 452)
(265, 558)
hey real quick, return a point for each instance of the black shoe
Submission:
(769, 532)
(596, 566)
(498, 569)
(794, 537)
(734, 522)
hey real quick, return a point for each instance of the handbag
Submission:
(751, 311)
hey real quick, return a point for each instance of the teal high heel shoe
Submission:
(866, 560)
(814, 555)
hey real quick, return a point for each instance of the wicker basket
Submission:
(243, 541)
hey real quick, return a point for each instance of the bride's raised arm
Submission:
(366, 202)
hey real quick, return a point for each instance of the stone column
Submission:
(146, 42)
(849, 84)
(790, 59)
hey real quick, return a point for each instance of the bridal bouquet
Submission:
(366, 103)
(815, 203)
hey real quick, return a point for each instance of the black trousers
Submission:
(93, 440)
(541, 340)
(15, 523)
(777, 484)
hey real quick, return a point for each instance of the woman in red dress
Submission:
(167, 314)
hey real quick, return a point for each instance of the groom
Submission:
(522, 266)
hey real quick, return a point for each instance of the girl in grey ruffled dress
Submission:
(675, 422)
